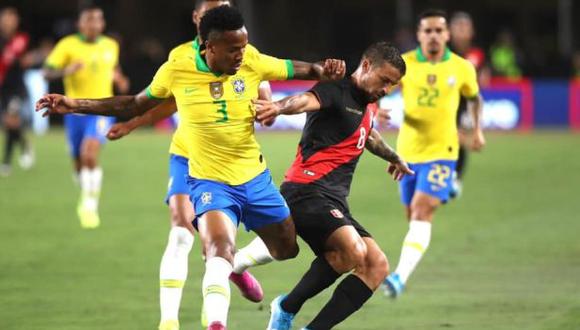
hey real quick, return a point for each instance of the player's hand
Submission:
(399, 169)
(383, 117)
(56, 104)
(119, 130)
(266, 112)
(333, 69)
(72, 68)
(478, 140)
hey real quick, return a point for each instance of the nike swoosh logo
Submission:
(189, 90)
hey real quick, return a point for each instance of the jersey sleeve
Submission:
(328, 95)
(160, 87)
(269, 67)
(59, 56)
(470, 88)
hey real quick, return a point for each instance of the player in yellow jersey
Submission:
(174, 264)
(214, 84)
(428, 138)
(88, 63)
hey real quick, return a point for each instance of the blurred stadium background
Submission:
(507, 253)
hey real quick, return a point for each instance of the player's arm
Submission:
(124, 106)
(161, 111)
(292, 105)
(329, 69)
(475, 108)
(377, 146)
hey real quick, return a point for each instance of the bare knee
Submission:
(181, 216)
(422, 211)
(220, 247)
(280, 238)
(374, 269)
(285, 251)
(350, 257)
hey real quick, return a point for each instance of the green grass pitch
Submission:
(504, 256)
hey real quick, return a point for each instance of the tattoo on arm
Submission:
(377, 146)
(296, 104)
(126, 106)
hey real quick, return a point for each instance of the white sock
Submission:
(216, 290)
(91, 181)
(255, 253)
(173, 272)
(414, 246)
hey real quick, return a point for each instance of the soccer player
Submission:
(428, 140)
(13, 95)
(88, 63)
(462, 34)
(339, 126)
(174, 263)
(213, 84)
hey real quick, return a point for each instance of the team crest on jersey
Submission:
(206, 198)
(216, 89)
(451, 81)
(336, 213)
(239, 85)
(431, 79)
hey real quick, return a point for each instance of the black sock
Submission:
(347, 298)
(461, 162)
(12, 136)
(319, 277)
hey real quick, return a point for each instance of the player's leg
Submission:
(217, 233)
(267, 214)
(13, 125)
(355, 290)
(336, 244)
(90, 178)
(174, 263)
(91, 174)
(432, 189)
(343, 251)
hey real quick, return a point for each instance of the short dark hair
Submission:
(381, 52)
(220, 19)
(460, 15)
(198, 3)
(432, 13)
(89, 8)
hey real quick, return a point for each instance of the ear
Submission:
(195, 18)
(209, 46)
(366, 66)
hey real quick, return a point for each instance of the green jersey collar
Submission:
(199, 61)
(83, 38)
(421, 57)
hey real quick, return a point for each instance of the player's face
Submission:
(203, 8)
(9, 21)
(461, 30)
(433, 34)
(226, 52)
(378, 80)
(91, 23)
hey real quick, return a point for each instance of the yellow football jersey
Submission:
(178, 146)
(431, 93)
(216, 113)
(99, 59)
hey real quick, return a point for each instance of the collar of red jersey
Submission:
(422, 58)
